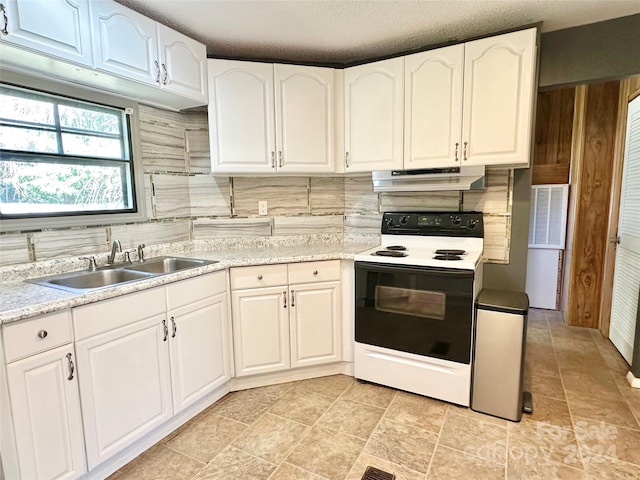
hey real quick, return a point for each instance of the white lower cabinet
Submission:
(283, 319)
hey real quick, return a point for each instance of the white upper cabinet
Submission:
(433, 108)
(59, 28)
(498, 99)
(373, 114)
(270, 118)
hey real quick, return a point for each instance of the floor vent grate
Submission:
(373, 473)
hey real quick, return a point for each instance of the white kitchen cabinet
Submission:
(499, 89)
(266, 118)
(285, 316)
(433, 108)
(59, 28)
(373, 116)
(45, 407)
(135, 47)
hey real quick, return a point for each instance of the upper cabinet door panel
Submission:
(304, 118)
(373, 99)
(433, 107)
(498, 98)
(125, 42)
(241, 116)
(183, 62)
(56, 27)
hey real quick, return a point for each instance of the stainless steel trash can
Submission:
(499, 347)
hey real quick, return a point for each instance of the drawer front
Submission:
(187, 292)
(36, 335)
(259, 276)
(311, 272)
(106, 315)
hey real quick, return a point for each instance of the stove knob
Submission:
(404, 219)
(388, 221)
(472, 224)
(456, 220)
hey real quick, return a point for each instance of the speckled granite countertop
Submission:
(20, 300)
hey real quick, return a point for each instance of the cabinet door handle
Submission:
(165, 75)
(5, 20)
(284, 298)
(464, 152)
(293, 300)
(165, 330)
(155, 62)
(273, 159)
(72, 368)
(346, 159)
(279, 158)
(174, 327)
(456, 157)
(43, 334)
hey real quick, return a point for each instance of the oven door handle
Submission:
(379, 267)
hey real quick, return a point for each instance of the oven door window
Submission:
(408, 301)
(419, 310)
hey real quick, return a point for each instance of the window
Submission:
(63, 157)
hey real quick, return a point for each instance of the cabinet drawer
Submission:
(259, 276)
(106, 315)
(187, 292)
(309, 272)
(36, 335)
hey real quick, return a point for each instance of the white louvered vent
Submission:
(548, 216)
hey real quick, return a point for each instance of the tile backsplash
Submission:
(185, 202)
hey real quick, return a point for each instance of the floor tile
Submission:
(403, 444)
(527, 441)
(331, 387)
(538, 335)
(453, 464)
(234, 464)
(271, 438)
(609, 410)
(608, 469)
(549, 410)
(542, 364)
(365, 460)
(600, 439)
(159, 463)
(558, 330)
(369, 393)
(353, 418)
(278, 390)
(286, 471)
(302, 406)
(207, 437)
(534, 469)
(467, 412)
(588, 383)
(327, 453)
(416, 410)
(473, 436)
(548, 386)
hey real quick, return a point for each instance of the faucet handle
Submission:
(127, 255)
(92, 262)
(141, 252)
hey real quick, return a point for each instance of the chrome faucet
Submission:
(141, 252)
(115, 247)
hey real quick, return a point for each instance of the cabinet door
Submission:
(260, 330)
(45, 405)
(183, 64)
(124, 42)
(59, 28)
(499, 82)
(315, 323)
(304, 118)
(241, 117)
(373, 110)
(433, 108)
(125, 386)
(198, 350)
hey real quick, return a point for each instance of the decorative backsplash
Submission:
(185, 202)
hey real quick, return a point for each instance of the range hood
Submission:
(429, 179)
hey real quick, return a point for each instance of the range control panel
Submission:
(434, 224)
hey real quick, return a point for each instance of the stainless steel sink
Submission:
(160, 265)
(109, 276)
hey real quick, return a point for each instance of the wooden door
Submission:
(304, 118)
(499, 82)
(433, 108)
(373, 116)
(241, 116)
(260, 330)
(45, 406)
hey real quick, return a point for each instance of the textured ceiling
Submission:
(345, 31)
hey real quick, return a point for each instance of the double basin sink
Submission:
(119, 274)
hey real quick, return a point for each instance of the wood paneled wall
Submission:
(593, 183)
(553, 136)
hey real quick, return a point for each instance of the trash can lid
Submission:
(506, 301)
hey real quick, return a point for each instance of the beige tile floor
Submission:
(585, 425)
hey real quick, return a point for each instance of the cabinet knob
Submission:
(259, 277)
(42, 334)
(315, 272)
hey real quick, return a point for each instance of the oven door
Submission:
(421, 310)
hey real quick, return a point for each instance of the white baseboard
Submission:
(290, 375)
(633, 380)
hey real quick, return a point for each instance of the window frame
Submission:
(80, 219)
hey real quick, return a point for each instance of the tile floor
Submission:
(585, 425)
